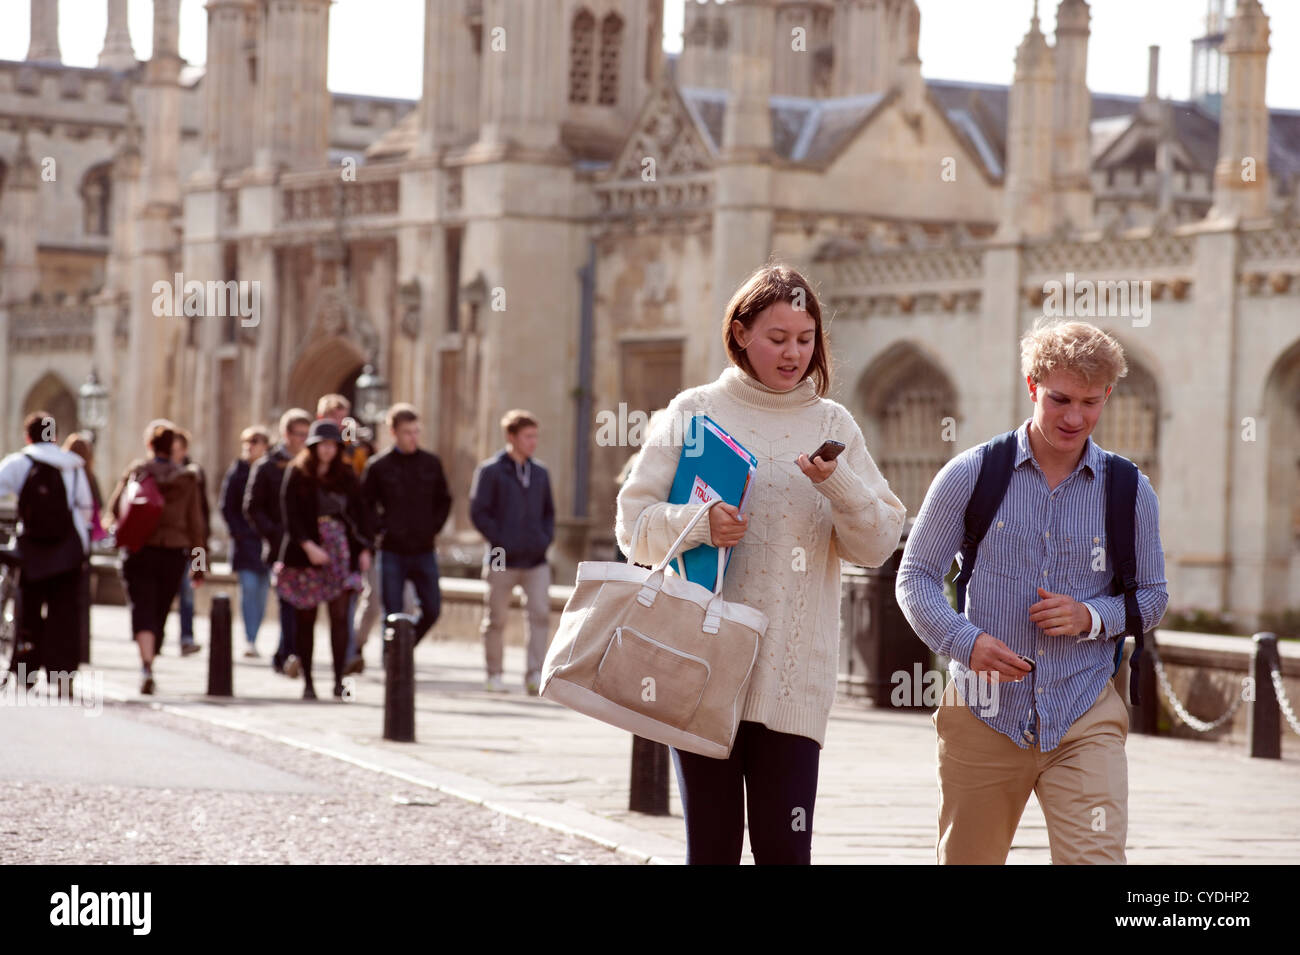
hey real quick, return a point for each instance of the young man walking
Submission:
(406, 492)
(262, 510)
(246, 544)
(511, 506)
(1040, 621)
(54, 507)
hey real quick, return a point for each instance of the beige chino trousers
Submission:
(985, 780)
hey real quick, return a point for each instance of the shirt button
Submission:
(1040, 653)
(1096, 540)
(1040, 691)
(1000, 523)
(1044, 573)
(1047, 533)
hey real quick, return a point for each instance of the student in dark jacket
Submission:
(511, 506)
(262, 510)
(153, 573)
(245, 541)
(326, 545)
(406, 494)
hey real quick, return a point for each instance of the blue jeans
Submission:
(422, 570)
(187, 606)
(253, 585)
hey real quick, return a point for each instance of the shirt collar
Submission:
(1090, 459)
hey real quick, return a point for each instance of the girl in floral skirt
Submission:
(327, 544)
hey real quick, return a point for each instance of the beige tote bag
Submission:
(655, 655)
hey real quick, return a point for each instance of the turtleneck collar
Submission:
(747, 389)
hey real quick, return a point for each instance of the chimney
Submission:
(521, 93)
(161, 182)
(1241, 176)
(1027, 194)
(1071, 115)
(449, 101)
(295, 103)
(227, 88)
(117, 53)
(44, 47)
(747, 126)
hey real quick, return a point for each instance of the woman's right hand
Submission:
(315, 553)
(726, 525)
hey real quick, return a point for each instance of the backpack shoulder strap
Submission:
(990, 488)
(1121, 539)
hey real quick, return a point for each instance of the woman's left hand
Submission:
(818, 470)
(363, 562)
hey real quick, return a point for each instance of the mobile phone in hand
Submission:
(1032, 665)
(829, 451)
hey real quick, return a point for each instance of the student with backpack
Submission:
(54, 508)
(1060, 545)
(159, 525)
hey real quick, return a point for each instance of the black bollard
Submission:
(1265, 718)
(220, 678)
(399, 678)
(1145, 717)
(649, 789)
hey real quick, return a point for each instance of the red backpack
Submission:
(139, 511)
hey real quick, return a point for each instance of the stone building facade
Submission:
(560, 219)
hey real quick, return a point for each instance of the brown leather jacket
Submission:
(182, 523)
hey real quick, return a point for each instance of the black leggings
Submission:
(777, 772)
(305, 636)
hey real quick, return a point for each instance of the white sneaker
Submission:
(495, 685)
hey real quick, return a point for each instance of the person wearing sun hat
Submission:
(327, 544)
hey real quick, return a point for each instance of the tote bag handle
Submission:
(650, 589)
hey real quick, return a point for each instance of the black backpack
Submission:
(1121, 534)
(43, 505)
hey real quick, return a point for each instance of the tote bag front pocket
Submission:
(650, 677)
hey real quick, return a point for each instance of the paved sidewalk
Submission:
(1190, 802)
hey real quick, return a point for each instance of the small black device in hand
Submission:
(829, 451)
(1032, 666)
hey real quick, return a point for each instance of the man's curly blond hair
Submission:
(1074, 347)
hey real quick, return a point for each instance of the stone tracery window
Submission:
(1130, 422)
(582, 50)
(908, 399)
(96, 201)
(611, 43)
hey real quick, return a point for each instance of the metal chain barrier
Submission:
(1283, 703)
(1201, 726)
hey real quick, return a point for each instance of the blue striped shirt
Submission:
(1055, 539)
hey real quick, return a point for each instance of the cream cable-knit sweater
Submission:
(788, 562)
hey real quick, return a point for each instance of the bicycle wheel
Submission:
(9, 618)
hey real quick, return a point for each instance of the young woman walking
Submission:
(327, 545)
(802, 517)
(153, 573)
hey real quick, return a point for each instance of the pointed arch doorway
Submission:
(331, 365)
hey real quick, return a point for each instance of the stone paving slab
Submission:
(1190, 801)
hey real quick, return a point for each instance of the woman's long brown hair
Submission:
(308, 464)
